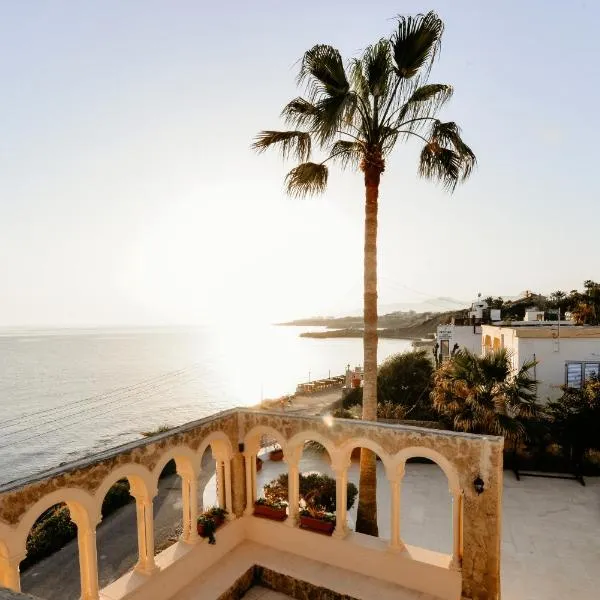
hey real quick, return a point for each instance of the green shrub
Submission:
(49, 533)
(352, 398)
(316, 490)
(116, 497)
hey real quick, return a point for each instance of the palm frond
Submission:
(305, 179)
(416, 43)
(292, 143)
(358, 79)
(333, 113)
(440, 164)
(299, 112)
(446, 157)
(425, 101)
(377, 68)
(347, 153)
(322, 69)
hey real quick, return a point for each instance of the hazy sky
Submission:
(129, 194)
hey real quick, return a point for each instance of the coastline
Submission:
(397, 334)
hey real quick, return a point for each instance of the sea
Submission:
(66, 393)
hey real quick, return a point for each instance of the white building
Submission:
(465, 333)
(566, 354)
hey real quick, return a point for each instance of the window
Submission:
(577, 373)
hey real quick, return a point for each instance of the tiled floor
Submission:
(261, 593)
(551, 527)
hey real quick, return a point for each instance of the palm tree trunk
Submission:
(366, 519)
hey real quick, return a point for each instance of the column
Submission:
(189, 497)
(145, 530)
(220, 483)
(88, 561)
(250, 460)
(456, 562)
(396, 544)
(9, 572)
(293, 493)
(228, 495)
(341, 502)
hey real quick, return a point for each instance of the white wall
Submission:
(462, 335)
(552, 356)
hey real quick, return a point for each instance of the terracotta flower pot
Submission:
(268, 512)
(276, 455)
(318, 525)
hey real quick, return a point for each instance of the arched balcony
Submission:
(234, 439)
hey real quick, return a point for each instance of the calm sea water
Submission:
(65, 394)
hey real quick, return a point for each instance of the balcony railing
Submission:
(472, 465)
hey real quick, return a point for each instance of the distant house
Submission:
(465, 333)
(566, 354)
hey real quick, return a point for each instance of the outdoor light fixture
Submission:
(478, 485)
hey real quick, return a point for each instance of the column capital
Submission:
(340, 467)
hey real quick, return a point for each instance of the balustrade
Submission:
(461, 457)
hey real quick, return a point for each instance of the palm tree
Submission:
(483, 394)
(355, 115)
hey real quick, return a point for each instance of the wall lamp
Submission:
(478, 485)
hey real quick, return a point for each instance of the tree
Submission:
(481, 394)
(575, 421)
(405, 380)
(355, 115)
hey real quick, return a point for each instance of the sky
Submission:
(129, 193)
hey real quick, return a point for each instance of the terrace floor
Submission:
(551, 527)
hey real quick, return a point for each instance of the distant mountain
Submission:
(441, 304)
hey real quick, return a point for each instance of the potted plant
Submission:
(207, 527)
(316, 519)
(270, 509)
(218, 515)
(276, 454)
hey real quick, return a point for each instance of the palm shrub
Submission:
(355, 113)
(482, 394)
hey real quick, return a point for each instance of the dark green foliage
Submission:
(479, 394)
(318, 491)
(352, 398)
(118, 495)
(49, 533)
(404, 383)
(575, 419)
(406, 380)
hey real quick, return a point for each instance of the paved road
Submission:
(57, 577)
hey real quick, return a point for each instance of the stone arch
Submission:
(141, 481)
(252, 438)
(186, 460)
(84, 509)
(439, 459)
(7, 536)
(219, 443)
(348, 447)
(295, 445)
